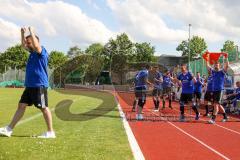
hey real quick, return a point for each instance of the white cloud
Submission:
(142, 24)
(146, 20)
(56, 18)
(9, 34)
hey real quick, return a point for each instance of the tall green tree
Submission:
(228, 46)
(74, 52)
(95, 49)
(15, 56)
(56, 59)
(144, 52)
(197, 46)
(2, 66)
(119, 51)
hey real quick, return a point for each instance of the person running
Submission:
(208, 97)
(135, 94)
(141, 89)
(198, 89)
(157, 87)
(167, 89)
(218, 76)
(36, 84)
(185, 79)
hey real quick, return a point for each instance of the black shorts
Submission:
(186, 97)
(157, 92)
(208, 96)
(35, 96)
(197, 95)
(217, 96)
(167, 90)
(141, 93)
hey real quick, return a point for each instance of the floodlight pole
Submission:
(189, 36)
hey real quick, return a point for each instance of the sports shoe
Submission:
(224, 119)
(182, 118)
(211, 121)
(139, 117)
(197, 116)
(6, 131)
(155, 109)
(48, 135)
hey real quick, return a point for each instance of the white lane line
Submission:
(233, 131)
(199, 141)
(137, 153)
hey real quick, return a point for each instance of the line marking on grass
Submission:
(137, 153)
(38, 115)
(196, 139)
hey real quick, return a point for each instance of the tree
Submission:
(95, 49)
(74, 52)
(119, 51)
(197, 46)
(144, 52)
(56, 59)
(2, 66)
(15, 56)
(228, 46)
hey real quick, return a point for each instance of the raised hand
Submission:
(23, 30)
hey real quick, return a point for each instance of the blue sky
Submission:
(163, 23)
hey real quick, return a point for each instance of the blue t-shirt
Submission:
(218, 80)
(157, 84)
(187, 83)
(167, 82)
(238, 93)
(36, 70)
(210, 84)
(141, 78)
(198, 85)
(135, 79)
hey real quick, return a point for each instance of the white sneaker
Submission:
(6, 131)
(139, 117)
(211, 121)
(224, 120)
(155, 110)
(48, 135)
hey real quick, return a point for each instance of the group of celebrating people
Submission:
(191, 90)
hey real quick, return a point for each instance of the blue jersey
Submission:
(157, 77)
(187, 83)
(36, 70)
(198, 85)
(141, 78)
(210, 84)
(218, 80)
(167, 82)
(237, 91)
(135, 79)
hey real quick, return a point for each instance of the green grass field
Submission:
(87, 125)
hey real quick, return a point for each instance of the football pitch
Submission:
(87, 126)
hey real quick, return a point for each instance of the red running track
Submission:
(171, 140)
